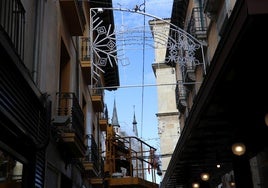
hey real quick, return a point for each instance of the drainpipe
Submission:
(36, 50)
(77, 62)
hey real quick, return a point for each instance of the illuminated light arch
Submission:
(181, 47)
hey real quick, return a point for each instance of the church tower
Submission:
(167, 115)
(114, 120)
(135, 129)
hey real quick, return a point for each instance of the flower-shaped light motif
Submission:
(111, 45)
(101, 30)
(102, 62)
(109, 42)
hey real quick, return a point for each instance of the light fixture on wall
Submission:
(266, 119)
(195, 185)
(232, 181)
(238, 148)
(205, 176)
(232, 184)
(218, 164)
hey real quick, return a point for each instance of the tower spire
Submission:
(135, 130)
(115, 118)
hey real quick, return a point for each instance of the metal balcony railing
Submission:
(85, 51)
(85, 59)
(189, 74)
(197, 25)
(180, 90)
(92, 154)
(12, 22)
(103, 119)
(185, 96)
(104, 114)
(98, 90)
(97, 96)
(68, 106)
(181, 96)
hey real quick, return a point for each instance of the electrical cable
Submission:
(143, 63)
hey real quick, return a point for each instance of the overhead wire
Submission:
(143, 63)
(143, 8)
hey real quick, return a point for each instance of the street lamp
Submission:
(238, 148)
(195, 185)
(205, 176)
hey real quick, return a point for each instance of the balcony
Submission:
(91, 160)
(12, 22)
(97, 98)
(103, 119)
(73, 14)
(190, 73)
(180, 97)
(103, 124)
(69, 125)
(197, 25)
(85, 59)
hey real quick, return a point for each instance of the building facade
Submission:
(219, 109)
(167, 115)
(52, 119)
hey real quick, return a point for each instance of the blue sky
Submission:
(136, 73)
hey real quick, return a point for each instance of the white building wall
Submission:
(168, 116)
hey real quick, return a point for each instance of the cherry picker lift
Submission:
(130, 162)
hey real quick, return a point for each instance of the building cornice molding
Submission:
(167, 114)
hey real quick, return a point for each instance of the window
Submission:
(10, 170)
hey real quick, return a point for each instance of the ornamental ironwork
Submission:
(108, 42)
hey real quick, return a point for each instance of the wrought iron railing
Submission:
(104, 114)
(197, 25)
(12, 22)
(98, 89)
(180, 90)
(68, 105)
(188, 72)
(92, 154)
(85, 51)
(181, 95)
